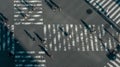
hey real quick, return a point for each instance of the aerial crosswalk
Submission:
(80, 39)
(110, 8)
(30, 59)
(28, 12)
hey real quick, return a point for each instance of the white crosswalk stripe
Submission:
(79, 39)
(109, 65)
(29, 59)
(32, 16)
(110, 7)
(114, 63)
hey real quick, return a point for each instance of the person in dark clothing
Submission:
(65, 33)
(25, 16)
(46, 52)
(3, 18)
(27, 5)
(55, 5)
(40, 38)
(52, 5)
(31, 37)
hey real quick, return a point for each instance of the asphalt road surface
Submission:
(79, 49)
